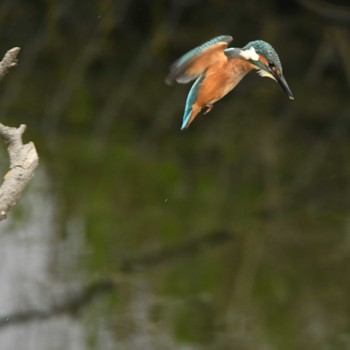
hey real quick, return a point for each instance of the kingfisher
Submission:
(218, 69)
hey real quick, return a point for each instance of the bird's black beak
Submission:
(283, 83)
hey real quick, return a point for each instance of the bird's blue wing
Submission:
(232, 52)
(191, 65)
(191, 99)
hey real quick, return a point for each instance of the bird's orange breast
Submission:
(220, 79)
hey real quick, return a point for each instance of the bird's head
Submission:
(266, 61)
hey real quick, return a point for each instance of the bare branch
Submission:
(341, 38)
(9, 61)
(328, 10)
(23, 162)
(23, 157)
(167, 255)
(72, 304)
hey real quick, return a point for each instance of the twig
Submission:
(341, 38)
(72, 304)
(171, 254)
(9, 61)
(23, 157)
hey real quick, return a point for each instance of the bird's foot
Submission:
(209, 108)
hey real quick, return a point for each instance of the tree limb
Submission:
(23, 157)
(9, 61)
(23, 162)
(71, 305)
(169, 254)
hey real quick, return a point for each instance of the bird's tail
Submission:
(192, 108)
(191, 112)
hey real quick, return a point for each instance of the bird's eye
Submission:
(271, 65)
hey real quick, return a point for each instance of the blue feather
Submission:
(232, 52)
(198, 50)
(191, 99)
(178, 68)
(265, 49)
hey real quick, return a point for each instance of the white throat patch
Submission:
(249, 54)
(263, 73)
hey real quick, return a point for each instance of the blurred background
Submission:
(233, 234)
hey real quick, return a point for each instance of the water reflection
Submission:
(79, 286)
(27, 279)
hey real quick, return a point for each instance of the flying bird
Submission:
(218, 69)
